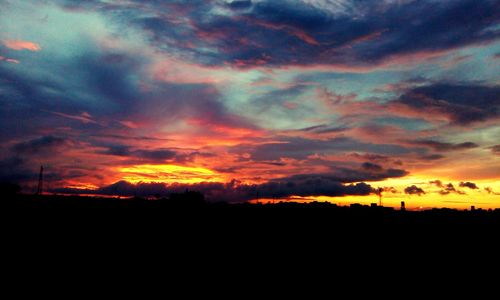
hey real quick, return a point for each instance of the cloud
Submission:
(21, 45)
(370, 157)
(437, 183)
(431, 157)
(459, 104)
(9, 60)
(354, 33)
(371, 167)
(456, 61)
(449, 188)
(470, 185)
(495, 149)
(414, 190)
(13, 170)
(389, 189)
(367, 172)
(40, 145)
(234, 191)
(489, 190)
(442, 147)
(301, 148)
(158, 155)
(84, 117)
(240, 4)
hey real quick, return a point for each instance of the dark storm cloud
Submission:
(39, 145)
(461, 104)
(371, 167)
(356, 33)
(313, 185)
(442, 147)
(147, 154)
(13, 170)
(470, 185)
(350, 175)
(414, 190)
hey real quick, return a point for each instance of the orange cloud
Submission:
(21, 45)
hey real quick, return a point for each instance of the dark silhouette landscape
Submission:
(190, 209)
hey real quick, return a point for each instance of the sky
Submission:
(329, 100)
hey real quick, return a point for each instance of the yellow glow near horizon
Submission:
(168, 174)
(479, 198)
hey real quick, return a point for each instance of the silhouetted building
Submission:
(472, 208)
(403, 208)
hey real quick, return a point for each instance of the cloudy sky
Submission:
(311, 99)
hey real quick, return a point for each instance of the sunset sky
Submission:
(309, 99)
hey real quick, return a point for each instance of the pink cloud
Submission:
(172, 70)
(298, 33)
(330, 98)
(21, 45)
(10, 60)
(129, 124)
(290, 105)
(455, 61)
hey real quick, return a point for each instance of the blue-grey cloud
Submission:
(360, 32)
(441, 146)
(40, 145)
(301, 148)
(462, 104)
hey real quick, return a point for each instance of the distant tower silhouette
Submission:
(39, 190)
(403, 208)
(379, 193)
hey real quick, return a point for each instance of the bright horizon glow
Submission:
(168, 174)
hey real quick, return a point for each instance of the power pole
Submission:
(39, 190)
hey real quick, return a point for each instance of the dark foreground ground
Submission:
(189, 212)
(245, 245)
